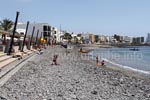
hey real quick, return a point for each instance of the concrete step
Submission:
(25, 53)
(12, 68)
(5, 57)
(2, 54)
(6, 62)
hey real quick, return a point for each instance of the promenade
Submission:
(72, 79)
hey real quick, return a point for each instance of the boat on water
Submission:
(85, 50)
(134, 49)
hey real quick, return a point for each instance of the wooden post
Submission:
(37, 36)
(25, 36)
(36, 41)
(32, 36)
(14, 31)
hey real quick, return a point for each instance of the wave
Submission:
(127, 67)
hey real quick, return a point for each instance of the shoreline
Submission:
(125, 71)
(122, 68)
(97, 46)
(114, 45)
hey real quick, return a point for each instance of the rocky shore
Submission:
(72, 79)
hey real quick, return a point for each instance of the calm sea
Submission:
(124, 57)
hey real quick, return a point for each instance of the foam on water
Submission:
(127, 67)
(137, 61)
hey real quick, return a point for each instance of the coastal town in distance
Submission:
(57, 35)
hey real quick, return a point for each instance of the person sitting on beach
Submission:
(103, 63)
(80, 49)
(55, 60)
(40, 51)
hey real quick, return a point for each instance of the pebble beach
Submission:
(72, 79)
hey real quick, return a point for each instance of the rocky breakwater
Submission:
(72, 79)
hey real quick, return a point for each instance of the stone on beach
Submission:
(75, 79)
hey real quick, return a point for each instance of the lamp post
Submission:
(37, 37)
(25, 36)
(14, 30)
(41, 35)
(40, 44)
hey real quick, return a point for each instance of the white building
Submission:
(112, 40)
(58, 35)
(127, 39)
(102, 39)
(85, 36)
(44, 28)
(148, 38)
(108, 39)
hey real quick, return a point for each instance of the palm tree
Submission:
(67, 36)
(75, 39)
(6, 25)
(82, 39)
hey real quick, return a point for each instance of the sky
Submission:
(104, 17)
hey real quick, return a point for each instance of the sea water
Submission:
(125, 57)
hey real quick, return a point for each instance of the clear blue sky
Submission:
(124, 17)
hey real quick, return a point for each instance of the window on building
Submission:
(49, 28)
(45, 28)
(49, 33)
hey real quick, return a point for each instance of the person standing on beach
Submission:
(97, 60)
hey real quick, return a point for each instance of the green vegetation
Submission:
(67, 36)
(5, 25)
(76, 39)
(82, 40)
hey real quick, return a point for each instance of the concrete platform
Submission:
(12, 68)
(5, 59)
(2, 58)
(6, 62)
(2, 54)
